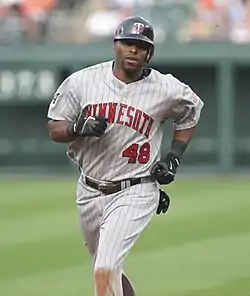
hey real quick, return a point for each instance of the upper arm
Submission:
(65, 104)
(185, 107)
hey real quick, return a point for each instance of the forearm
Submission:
(184, 135)
(181, 139)
(58, 131)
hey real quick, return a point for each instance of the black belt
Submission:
(113, 187)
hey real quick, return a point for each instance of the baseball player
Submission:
(111, 116)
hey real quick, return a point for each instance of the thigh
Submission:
(123, 221)
(90, 204)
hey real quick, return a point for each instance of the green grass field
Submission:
(201, 247)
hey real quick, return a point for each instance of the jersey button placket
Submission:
(124, 94)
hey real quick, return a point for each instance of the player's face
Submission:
(131, 54)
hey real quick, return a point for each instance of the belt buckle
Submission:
(102, 186)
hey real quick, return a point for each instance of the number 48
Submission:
(135, 152)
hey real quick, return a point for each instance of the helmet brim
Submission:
(135, 37)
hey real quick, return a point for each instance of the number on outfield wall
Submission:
(27, 85)
(7, 85)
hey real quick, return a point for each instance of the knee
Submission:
(102, 273)
(103, 281)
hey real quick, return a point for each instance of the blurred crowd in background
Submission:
(81, 21)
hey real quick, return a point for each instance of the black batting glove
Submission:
(92, 126)
(164, 171)
(164, 202)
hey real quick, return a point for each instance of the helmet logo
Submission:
(137, 28)
(121, 31)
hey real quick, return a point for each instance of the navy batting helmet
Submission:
(136, 28)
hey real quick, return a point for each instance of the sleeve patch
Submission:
(56, 96)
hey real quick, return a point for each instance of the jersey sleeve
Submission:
(185, 107)
(65, 104)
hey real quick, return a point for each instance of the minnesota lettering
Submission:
(123, 114)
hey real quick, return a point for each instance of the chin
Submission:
(129, 67)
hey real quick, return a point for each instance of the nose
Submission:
(133, 48)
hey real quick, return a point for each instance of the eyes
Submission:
(139, 44)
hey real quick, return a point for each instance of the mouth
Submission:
(131, 61)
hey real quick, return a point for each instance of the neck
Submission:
(126, 77)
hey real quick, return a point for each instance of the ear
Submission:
(150, 54)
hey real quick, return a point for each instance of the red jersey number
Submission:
(136, 153)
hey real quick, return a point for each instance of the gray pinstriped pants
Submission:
(111, 224)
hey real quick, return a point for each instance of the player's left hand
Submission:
(164, 170)
(164, 202)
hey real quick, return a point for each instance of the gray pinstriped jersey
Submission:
(135, 114)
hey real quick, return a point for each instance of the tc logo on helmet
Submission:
(137, 28)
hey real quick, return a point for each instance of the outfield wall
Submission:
(219, 73)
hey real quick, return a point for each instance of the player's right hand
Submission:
(93, 126)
